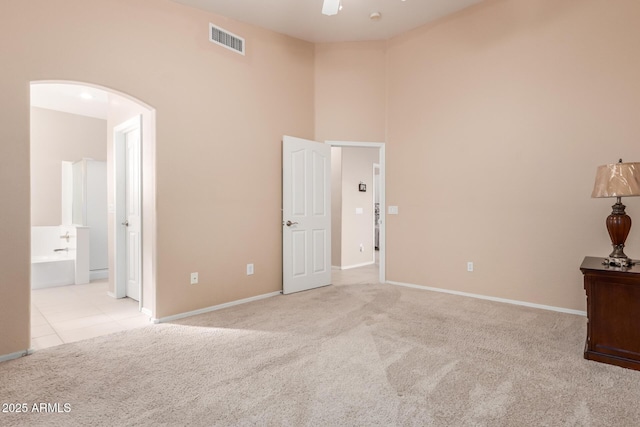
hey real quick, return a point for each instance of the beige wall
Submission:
(350, 90)
(220, 118)
(15, 226)
(57, 137)
(497, 119)
(494, 119)
(357, 166)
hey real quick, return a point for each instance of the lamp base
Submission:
(618, 226)
(618, 262)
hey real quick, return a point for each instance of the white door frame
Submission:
(376, 190)
(120, 234)
(382, 190)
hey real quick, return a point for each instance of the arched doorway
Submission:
(84, 107)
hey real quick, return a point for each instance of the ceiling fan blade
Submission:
(330, 7)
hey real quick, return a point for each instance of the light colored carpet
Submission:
(356, 355)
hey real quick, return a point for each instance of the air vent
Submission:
(226, 39)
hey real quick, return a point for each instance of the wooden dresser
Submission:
(613, 312)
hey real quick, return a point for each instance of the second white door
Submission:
(132, 139)
(128, 138)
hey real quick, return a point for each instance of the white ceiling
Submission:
(71, 98)
(303, 19)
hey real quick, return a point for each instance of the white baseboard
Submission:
(349, 267)
(16, 355)
(146, 312)
(214, 308)
(503, 300)
(98, 274)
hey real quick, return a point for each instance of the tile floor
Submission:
(77, 312)
(72, 313)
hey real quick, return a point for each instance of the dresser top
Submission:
(596, 264)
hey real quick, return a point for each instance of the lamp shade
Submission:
(617, 180)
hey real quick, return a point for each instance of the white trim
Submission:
(214, 308)
(349, 267)
(146, 312)
(16, 355)
(484, 297)
(383, 191)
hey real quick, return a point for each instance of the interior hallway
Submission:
(366, 274)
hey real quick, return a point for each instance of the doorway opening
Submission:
(75, 214)
(358, 218)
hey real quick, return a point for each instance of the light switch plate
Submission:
(393, 210)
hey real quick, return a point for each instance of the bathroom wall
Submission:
(55, 137)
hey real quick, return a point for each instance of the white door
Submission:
(127, 209)
(306, 214)
(133, 214)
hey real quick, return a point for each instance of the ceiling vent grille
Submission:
(226, 39)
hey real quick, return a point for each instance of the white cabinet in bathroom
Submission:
(90, 209)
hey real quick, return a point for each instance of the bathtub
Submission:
(52, 270)
(68, 266)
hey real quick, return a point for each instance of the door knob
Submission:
(289, 223)
(126, 223)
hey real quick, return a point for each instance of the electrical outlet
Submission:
(470, 266)
(361, 247)
(249, 269)
(194, 278)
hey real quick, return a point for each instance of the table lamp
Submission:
(618, 180)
